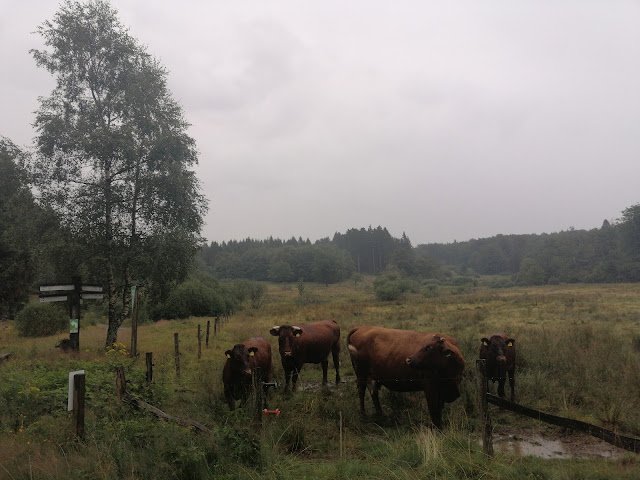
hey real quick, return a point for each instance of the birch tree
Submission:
(114, 155)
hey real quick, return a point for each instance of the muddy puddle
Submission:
(570, 446)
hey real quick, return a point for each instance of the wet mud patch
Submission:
(554, 444)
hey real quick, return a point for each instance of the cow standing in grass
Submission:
(310, 343)
(499, 353)
(406, 361)
(242, 360)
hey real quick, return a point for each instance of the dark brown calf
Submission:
(406, 361)
(310, 343)
(499, 353)
(242, 359)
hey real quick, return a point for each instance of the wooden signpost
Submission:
(74, 293)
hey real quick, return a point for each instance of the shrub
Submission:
(193, 298)
(41, 320)
(391, 286)
(431, 291)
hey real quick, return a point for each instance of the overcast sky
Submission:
(446, 120)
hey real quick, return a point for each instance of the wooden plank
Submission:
(627, 443)
(56, 288)
(91, 288)
(91, 296)
(54, 298)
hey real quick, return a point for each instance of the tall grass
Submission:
(577, 357)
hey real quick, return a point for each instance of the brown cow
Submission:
(406, 361)
(499, 352)
(310, 343)
(241, 361)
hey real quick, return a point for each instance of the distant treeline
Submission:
(610, 253)
(364, 251)
(607, 254)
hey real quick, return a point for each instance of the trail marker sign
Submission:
(75, 296)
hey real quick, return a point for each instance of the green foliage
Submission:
(193, 298)
(331, 265)
(256, 294)
(326, 261)
(113, 154)
(392, 285)
(431, 291)
(41, 320)
(25, 230)
(607, 254)
(531, 273)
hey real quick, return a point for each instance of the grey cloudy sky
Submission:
(445, 120)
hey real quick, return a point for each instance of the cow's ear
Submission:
(252, 351)
(297, 331)
(228, 353)
(510, 342)
(275, 331)
(485, 341)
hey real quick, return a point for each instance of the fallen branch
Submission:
(123, 394)
(185, 422)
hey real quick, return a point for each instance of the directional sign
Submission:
(91, 288)
(73, 325)
(54, 298)
(91, 296)
(55, 288)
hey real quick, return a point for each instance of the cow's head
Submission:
(286, 337)
(238, 358)
(440, 360)
(496, 349)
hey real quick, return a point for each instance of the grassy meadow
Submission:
(578, 356)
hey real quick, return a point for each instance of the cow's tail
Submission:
(353, 351)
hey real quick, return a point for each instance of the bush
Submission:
(392, 286)
(41, 320)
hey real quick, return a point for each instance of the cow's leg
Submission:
(362, 386)
(228, 396)
(375, 396)
(294, 376)
(325, 368)
(335, 353)
(434, 404)
(501, 382)
(287, 378)
(512, 385)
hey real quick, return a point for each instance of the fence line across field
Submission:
(484, 398)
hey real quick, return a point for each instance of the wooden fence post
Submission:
(199, 343)
(121, 383)
(176, 343)
(215, 326)
(487, 429)
(149, 359)
(78, 404)
(208, 327)
(134, 322)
